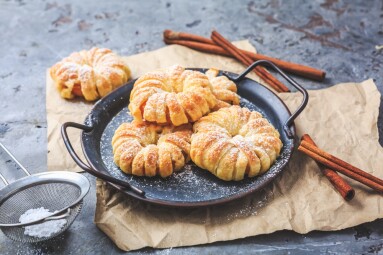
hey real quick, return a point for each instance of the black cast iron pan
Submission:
(193, 186)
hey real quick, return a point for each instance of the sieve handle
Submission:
(87, 168)
(57, 217)
(60, 216)
(14, 160)
(290, 121)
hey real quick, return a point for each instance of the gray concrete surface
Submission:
(337, 36)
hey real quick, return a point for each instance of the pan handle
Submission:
(87, 168)
(290, 120)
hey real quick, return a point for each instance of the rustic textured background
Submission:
(337, 36)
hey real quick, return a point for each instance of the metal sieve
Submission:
(60, 192)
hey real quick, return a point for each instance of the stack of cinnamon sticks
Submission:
(329, 164)
(221, 46)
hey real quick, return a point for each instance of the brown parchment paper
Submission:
(342, 120)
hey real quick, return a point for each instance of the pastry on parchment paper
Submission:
(90, 74)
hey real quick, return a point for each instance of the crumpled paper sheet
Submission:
(342, 120)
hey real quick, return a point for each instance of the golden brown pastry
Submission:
(233, 142)
(224, 89)
(176, 96)
(145, 149)
(91, 74)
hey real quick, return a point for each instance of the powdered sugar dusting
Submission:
(252, 107)
(45, 229)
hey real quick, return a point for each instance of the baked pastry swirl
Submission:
(91, 74)
(146, 149)
(224, 89)
(176, 96)
(233, 142)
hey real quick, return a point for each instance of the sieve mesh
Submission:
(17, 233)
(53, 196)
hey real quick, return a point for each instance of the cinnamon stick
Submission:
(267, 77)
(204, 47)
(172, 35)
(201, 43)
(345, 190)
(341, 166)
(342, 163)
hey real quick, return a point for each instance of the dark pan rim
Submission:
(184, 204)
